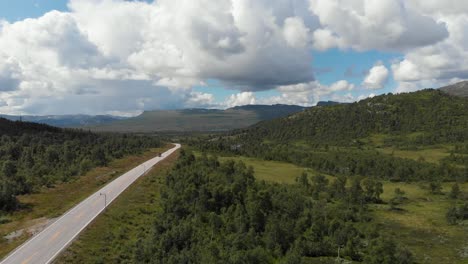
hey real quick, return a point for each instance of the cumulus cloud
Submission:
(166, 46)
(365, 25)
(9, 75)
(439, 64)
(244, 98)
(182, 43)
(307, 94)
(295, 32)
(197, 99)
(377, 77)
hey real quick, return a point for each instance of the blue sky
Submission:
(87, 60)
(351, 66)
(20, 9)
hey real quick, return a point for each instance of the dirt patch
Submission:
(37, 225)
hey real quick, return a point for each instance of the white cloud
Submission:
(377, 77)
(295, 32)
(197, 99)
(167, 46)
(182, 43)
(439, 64)
(307, 94)
(446, 7)
(369, 24)
(244, 98)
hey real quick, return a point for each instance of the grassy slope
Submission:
(53, 202)
(421, 224)
(433, 154)
(112, 236)
(276, 171)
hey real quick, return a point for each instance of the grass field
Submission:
(421, 224)
(112, 236)
(433, 155)
(50, 203)
(275, 171)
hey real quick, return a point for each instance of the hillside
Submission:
(199, 119)
(458, 89)
(66, 120)
(430, 116)
(379, 137)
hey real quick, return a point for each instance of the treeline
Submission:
(34, 155)
(214, 212)
(431, 116)
(342, 161)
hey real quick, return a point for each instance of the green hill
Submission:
(199, 119)
(426, 117)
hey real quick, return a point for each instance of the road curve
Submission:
(45, 246)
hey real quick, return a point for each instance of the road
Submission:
(45, 246)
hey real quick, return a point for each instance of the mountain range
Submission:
(205, 120)
(66, 121)
(196, 119)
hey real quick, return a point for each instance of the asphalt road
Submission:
(45, 246)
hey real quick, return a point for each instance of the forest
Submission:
(33, 156)
(214, 212)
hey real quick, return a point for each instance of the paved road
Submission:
(45, 246)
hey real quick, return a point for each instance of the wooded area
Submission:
(34, 155)
(216, 212)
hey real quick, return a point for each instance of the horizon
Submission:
(162, 56)
(215, 107)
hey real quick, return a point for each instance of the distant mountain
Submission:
(458, 89)
(327, 103)
(205, 120)
(66, 120)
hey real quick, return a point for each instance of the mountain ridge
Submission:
(199, 119)
(65, 121)
(457, 89)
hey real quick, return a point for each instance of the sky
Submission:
(123, 57)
